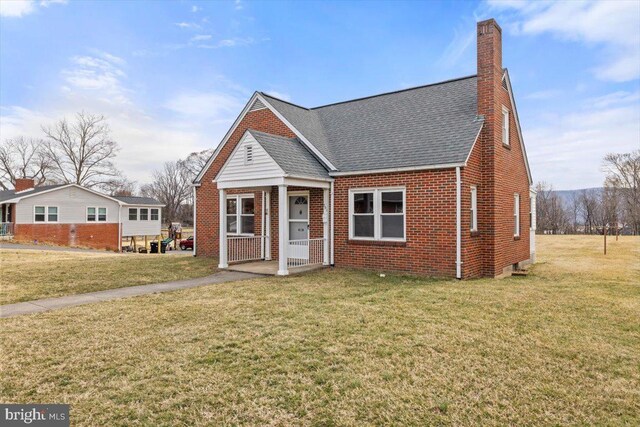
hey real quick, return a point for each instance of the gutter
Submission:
(331, 233)
(119, 228)
(194, 220)
(458, 225)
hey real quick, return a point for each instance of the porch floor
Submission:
(269, 268)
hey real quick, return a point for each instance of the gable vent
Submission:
(504, 83)
(257, 105)
(248, 154)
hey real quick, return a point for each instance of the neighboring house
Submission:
(72, 215)
(431, 180)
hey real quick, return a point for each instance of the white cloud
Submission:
(613, 26)
(195, 9)
(188, 25)
(201, 37)
(238, 5)
(279, 95)
(210, 106)
(19, 8)
(102, 76)
(567, 150)
(544, 94)
(234, 42)
(463, 38)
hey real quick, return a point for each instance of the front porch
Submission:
(6, 221)
(275, 230)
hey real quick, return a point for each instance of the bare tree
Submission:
(120, 187)
(82, 152)
(196, 161)
(574, 212)
(23, 158)
(623, 172)
(591, 207)
(171, 186)
(550, 213)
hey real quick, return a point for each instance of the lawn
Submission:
(28, 275)
(561, 346)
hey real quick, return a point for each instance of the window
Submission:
(102, 214)
(505, 126)
(248, 154)
(45, 214)
(474, 208)
(155, 214)
(91, 214)
(52, 214)
(133, 214)
(96, 214)
(144, 214)
(39, 214)
(240, 214)
(516, 215)
(377, 214)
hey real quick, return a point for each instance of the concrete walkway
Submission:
(47, 304)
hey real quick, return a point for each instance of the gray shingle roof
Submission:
(137, 200)
(11, 194)
(291, 155)
(424, 126)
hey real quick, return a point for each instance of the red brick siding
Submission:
(207, 215)
(430, 222)
(473, 245)
(502, 169)
(96, 236)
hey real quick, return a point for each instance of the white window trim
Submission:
(97, 220)
(474, 208)
(238, 198)
(46, 213)
(516, 215)
(137, 214)
(156, 209)
(505, 111)
(377, 214)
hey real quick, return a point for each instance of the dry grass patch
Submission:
(28, 275)
(561, 346)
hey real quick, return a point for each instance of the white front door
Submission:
(299, 227)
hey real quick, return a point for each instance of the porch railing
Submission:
(305, 252)
(246, 248)
(6, 228)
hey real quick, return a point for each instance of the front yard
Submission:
(28, 275)
(561, 346)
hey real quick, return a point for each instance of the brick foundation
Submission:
(96, 236)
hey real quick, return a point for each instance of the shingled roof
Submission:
(290, 155)
(428, 125)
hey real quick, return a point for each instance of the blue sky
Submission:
(172, 76)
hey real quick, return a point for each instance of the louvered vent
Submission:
(248, 154)
(257, 105)
(504, 83)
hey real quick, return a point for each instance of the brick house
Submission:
(72, 215)
(431, 180)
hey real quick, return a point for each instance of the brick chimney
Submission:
(24, 184)
(490, 106)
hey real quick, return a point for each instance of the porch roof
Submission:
(291, 155)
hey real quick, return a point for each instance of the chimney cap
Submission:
(489, 22)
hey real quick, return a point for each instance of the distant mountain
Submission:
(567, 195)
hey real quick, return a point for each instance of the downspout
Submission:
(458, 225)
(262, 233)
(331, 234)
(119, 228)
(194, 220)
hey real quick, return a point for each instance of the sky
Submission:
(172, 76)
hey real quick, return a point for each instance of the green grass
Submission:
(561, 346)
(28, 275)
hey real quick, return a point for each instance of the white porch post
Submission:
(223, 229)
(325, 228)
(267, 225)
(283, 229)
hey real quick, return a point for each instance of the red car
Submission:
(186, 244)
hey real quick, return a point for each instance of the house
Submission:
(72, 215)
(430, 180)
